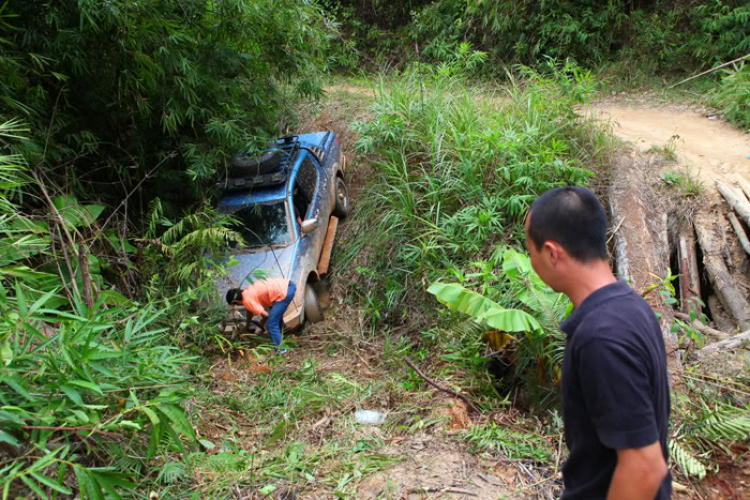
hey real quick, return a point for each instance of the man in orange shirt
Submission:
(275, 293)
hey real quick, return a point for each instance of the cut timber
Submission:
(734, 342)
(734, 302)
(325, 254)
(721, 319)
(741, 235)
(736, 200)
(641, 247)
(690, 283)
(743, 184)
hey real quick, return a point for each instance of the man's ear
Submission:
(553, 251)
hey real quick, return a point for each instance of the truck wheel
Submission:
(245, 165)
(341, 209)
(313, 311)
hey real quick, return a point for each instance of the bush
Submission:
(119, 90)
(89, 379)
(733, 95)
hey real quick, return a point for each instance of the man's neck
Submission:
(588, 279)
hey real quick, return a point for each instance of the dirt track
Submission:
(712, 149)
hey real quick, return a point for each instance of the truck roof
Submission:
(276, 193)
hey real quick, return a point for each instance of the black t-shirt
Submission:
(615, 388)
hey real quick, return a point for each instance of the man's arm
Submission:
(638, 474)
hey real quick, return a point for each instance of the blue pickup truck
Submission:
(289, 200)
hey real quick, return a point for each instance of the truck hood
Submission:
(277, 263)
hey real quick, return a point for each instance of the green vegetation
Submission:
(164, 89)
(646, 37)
(456, 175)
(733, 95)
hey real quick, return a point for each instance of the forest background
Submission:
(118, 117)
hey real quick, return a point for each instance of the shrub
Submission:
(733, 95)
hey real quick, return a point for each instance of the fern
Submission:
(171, 472)
(724, 425)
(688, 463)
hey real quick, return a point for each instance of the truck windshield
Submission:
(262, 223)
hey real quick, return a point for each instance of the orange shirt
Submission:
(264, 293)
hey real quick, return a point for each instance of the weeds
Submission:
(683, 181)
(668, 150)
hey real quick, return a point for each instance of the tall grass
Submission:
(457, 172)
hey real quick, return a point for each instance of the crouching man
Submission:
(615, 388)
(272, 292)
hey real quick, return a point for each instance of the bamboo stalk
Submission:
(724, 65)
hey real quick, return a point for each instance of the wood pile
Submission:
(706, 244)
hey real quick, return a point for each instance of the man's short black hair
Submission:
(574, 218)
(234, 295)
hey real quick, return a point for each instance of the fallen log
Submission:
(720, 317)
(734, 342)
(741, 235)
(734, 302)
(743, 184)
(697, 325)
(736, 200)
(690, 287)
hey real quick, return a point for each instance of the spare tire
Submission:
(250, 165)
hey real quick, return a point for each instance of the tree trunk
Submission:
(734, 302)
(721, 319)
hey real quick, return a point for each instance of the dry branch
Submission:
(434, 384)
(724, 285)
(697, 325)
(736, 200)
(739, 231)
(731, 343)
(438, 489)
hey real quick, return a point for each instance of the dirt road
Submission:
(711, 148)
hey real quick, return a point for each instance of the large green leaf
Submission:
(74, 214)
(460, 299)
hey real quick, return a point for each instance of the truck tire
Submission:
(313, 311)
(341, 208)
(245, 165)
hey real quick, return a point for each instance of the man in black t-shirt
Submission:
(614, 376)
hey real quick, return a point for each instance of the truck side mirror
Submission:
(309, 225)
